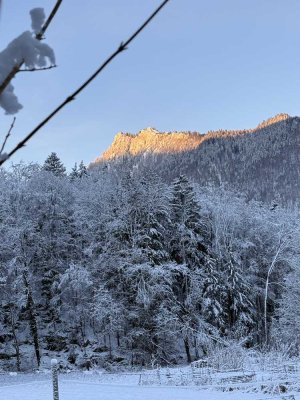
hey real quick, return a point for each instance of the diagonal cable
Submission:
(71, 97)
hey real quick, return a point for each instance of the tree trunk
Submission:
(15, 339)
(196, 349)
(259, 319)
(32, 320)
(110, 350)
(187, 349)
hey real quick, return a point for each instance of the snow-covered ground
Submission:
(71, 390)
(118, 387)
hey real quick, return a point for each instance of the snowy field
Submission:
(81, 387)
(71, 390)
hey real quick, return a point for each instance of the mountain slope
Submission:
(263, 162)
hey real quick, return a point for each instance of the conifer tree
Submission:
(238, 303)
(82, 170)
(54, 165)
(188, 230)
(213, 294)
(189, 250)
(74, 174)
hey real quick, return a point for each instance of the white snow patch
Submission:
(92, 391)
(27, 49)
(37, 19)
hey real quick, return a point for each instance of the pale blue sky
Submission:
(201, 65)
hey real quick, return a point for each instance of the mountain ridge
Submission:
(262, 163)
(154, 141)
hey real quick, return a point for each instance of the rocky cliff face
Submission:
(263, 163)
(150, 140)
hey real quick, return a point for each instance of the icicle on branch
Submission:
(123, 46)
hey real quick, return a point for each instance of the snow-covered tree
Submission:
(187, 244)
(54, 165)
(74, 172)
(287, 319)
(82, 170)
(122, 262)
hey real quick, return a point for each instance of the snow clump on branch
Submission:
(37, 19)
(23, 49)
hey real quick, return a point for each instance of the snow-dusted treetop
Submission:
(23, 49)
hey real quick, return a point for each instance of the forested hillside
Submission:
(263, 163)
(114, 266)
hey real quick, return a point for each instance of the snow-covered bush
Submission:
(230, 357)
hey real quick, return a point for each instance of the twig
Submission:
(36, 69)
(120, 49)
(10, 76)
(39, 36)
(7, 135)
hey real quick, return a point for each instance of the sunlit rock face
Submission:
(263, 163)
(150, 140)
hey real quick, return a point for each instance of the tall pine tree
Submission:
(54, 165)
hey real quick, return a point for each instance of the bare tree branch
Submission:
(37, 69)
(7, 135)
(10, 76)
(39, 36)
(120, 49)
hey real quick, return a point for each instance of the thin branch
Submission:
(120, 49)
(37, 69)
(39, 36)
(7, 135)
(10, 76)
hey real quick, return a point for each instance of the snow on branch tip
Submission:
(38, 18)
(25, 49)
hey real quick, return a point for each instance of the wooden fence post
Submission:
(158, 375)
(54, 379)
